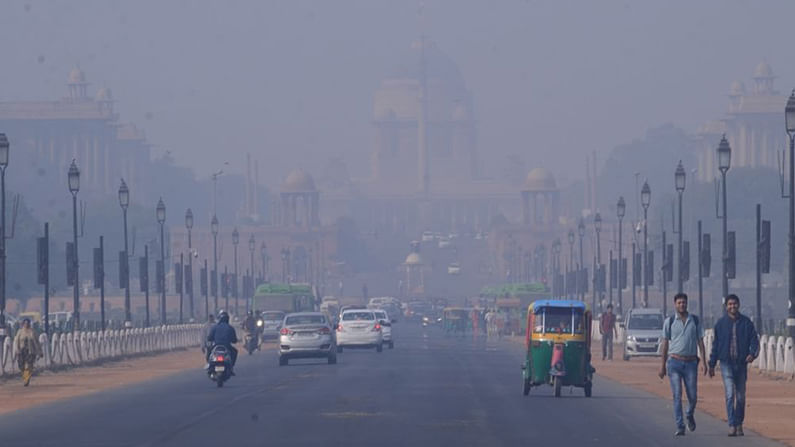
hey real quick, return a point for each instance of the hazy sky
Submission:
(294, 80)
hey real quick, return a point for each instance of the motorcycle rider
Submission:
(260, 327)
(250, 325)
(224, 335)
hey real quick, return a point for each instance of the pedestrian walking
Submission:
(607, 327)
(682, 340)
(736, 345)
(27, 350)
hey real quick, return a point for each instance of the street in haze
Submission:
(432, 389)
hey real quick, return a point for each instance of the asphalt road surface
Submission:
(431, 390)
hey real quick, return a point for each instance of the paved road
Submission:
(431, 390)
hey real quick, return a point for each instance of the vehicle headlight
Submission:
(259, 323)
(631, 338)
(425, 319)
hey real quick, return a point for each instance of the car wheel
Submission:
(339, 348)
(391, 345)
(332, 359)
(379, 348)
(626, 357)
(283, 361)
(525, 386)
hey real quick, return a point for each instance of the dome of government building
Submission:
(299, 181)
(539, 179)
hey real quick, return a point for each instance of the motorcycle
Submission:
(219, 365)
(251, 343)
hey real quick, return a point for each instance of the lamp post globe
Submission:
(4, 150)
(214, 225)
(571, 237)
(124, 195)
(252, 244)
(645, 195)
(597, 222)
(789, 114)
(680, 176)
(74, 178)
(189, 219)
(581, 228)
(235, 236)
(621, 208)
(724, 155)
(161, 212)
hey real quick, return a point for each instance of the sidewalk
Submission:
(50, 386)
(770, 401)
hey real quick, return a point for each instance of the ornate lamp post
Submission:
(235, 242)
(597, 224)
(621, 210)
(680, 176)
(556, 266)
(581, 233)
(252, 245)
(74, 188)
(4, 152)
(724, 164)
(263, 252)
(189, 227)
(645, 200)
(570, 237)
(161, 219)
(214, 280)
(124, 202)
(789, 115)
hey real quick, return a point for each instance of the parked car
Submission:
(386, 327)
(642, 331)
(454, 268)
(306, 335)
(271, 324)
(359, 328)
(427, 236)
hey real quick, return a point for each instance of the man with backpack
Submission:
(683, 340)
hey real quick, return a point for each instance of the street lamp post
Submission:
(252, 245)
(263, 252)
(189, 227)
(790, 123)
(724, 163)
(4, 151)
(556, 267)
(235, 241)
(645, 200)
(621, 210)
(124, 202)
(570, 266)
(597, 270)
(214, 279)
(161, 219)
(74, 188)
(581, 233)
(679, 180)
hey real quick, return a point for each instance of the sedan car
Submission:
(386, 327)
(359, 328)
(272, 323)
(306, 335)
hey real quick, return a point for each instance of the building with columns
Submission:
(754, 126)
(49, 134)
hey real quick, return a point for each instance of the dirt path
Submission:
(51, 386)
(770, 401)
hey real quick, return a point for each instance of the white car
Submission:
(272, 324)
(427, 236)
(386, 327)
(454, 268)
(444, 243)
(359, 328)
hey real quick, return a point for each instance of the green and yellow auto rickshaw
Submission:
(558, 342)
(455, 319)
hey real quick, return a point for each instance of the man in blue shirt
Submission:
(736, 345)
(682, 340)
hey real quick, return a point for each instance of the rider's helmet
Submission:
(250, 313)
(223, 317)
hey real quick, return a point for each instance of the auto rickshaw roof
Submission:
(558, 303)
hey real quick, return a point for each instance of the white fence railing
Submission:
(87, 347)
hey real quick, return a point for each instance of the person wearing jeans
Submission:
(682, 340)
(607, 328)
(736, 345)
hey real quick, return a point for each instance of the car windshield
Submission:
(305, 319)
(558, 320)
(646, 322)
(358, 316)
(273, 316)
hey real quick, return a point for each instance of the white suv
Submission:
(359, 328)
(386, 327)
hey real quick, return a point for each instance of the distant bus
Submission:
(283, 297)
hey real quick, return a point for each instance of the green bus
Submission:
(283, 297)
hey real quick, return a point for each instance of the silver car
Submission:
(642, 332)
(306, 335)
(272, 324)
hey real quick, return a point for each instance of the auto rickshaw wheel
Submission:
(588, 388)
(525, 386)
(558, 385)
